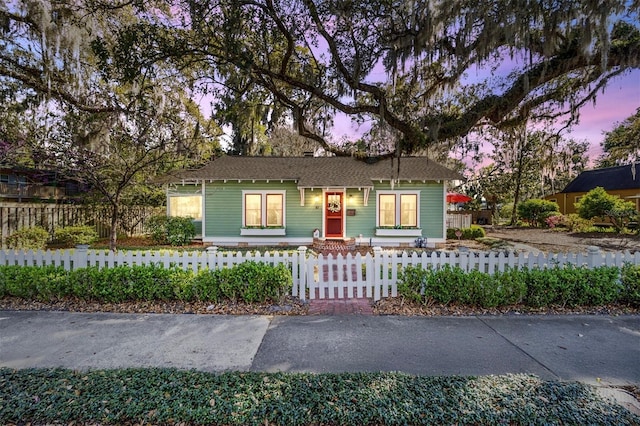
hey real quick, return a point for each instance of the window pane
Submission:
(274, 210)
(186, 206)
(387, 210)
(252, 210)
(409, 210)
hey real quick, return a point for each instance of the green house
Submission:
(249, 201)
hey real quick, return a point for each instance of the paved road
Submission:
(583, 348)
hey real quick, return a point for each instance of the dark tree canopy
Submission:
(622, 144)
(408, 65)
(422, 70)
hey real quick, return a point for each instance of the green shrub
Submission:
(34, 238)
(557, 286)
(44, 283)
(572, 286)
(630, 278)
(505, 211)
(177, 231)
(536, 211)
(597, 203)
(511, 286)
(251, 282)
(575, 223)
(75, 235)
(471, 233)
(255, 282)
(125, 283)
(412, 282)
(157, 228)
(206, 285)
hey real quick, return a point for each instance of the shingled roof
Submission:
(610, 178)
(317, 172)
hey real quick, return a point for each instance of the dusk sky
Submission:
(619, 101)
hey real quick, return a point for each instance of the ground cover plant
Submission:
(169, 396)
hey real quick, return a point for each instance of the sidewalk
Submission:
(591, 349)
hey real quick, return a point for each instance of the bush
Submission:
(176, 231)
(553, 220)
(630, 278)
(75, 235)
(34, 238)
(255, 282)
(558, 286)
(45, 283)
(251, 282)
(124, 283)
(599, 203)
(536, 211)
(471, 233)
(505, 211)
(575, 223)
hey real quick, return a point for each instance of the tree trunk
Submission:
(113, 236)
(516, 194)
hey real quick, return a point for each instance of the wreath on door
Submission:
(334, 206)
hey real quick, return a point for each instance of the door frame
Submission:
(343, 193)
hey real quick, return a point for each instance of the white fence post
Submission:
(464, 258)
(594, 259)
(80, 257)
(376, 281)
(212, 254)
(302, 273)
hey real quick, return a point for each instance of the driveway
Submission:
(549, 240)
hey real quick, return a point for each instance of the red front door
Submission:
(334, 213)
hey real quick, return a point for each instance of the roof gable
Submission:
(610, 178)
(318, 172)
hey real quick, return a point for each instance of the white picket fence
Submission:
(371, 275)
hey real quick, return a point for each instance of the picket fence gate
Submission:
(324, 276)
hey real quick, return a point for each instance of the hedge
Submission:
(249, 282)
(258, 282)
(475, 231)
(558, 286)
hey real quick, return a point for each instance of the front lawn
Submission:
(169, 396)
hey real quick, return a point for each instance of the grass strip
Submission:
(170, 396)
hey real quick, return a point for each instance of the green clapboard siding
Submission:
(431, 205)
(223, 208)
(364, 221)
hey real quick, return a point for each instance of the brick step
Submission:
(328, 246)
(340, 307)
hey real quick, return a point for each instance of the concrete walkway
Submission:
(590, 349)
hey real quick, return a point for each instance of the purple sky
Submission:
(619, 100)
